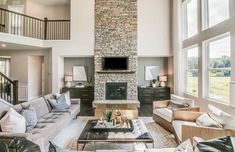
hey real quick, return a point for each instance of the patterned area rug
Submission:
(162, 139)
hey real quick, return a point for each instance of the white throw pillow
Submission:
(225, 119)
(206, 121)
(13, 122)
(184, 147)
(67, 98)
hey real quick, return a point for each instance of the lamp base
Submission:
(163, 84)
(68, 84)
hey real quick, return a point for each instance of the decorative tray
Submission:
(110, 128)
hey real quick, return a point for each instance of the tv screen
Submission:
(115, 63)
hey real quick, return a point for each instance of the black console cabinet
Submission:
(86, 95)
(150, 94)
(147, 95)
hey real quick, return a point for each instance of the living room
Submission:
(117, 75)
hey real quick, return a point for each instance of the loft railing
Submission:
(28, 26)
(8, 89)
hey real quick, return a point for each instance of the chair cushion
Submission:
(227, 120)
(177, 105)
(164, 113)
(178, 127)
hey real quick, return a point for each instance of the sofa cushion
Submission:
(164, 113)
(13, 122)
(190, 102)
(30, 116)
(39, 105)
(178, 127)
(227, 120)
(206, 121)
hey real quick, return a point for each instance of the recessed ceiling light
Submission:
(3, 45)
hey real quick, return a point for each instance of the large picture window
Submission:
(192, 70)
(219, 67)
(215, 11)
(190, 18)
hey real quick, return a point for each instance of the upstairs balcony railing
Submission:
(28, 26)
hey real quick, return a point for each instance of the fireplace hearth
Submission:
(116, 91)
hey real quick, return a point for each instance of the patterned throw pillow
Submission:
(30, 116)
(177, 105)
(223, 144)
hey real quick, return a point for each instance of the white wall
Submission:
(34, 76)
(154, 28)
(38, 10)
(19, 68)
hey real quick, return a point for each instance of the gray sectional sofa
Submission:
(50, 122)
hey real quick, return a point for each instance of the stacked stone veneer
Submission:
(115, 35)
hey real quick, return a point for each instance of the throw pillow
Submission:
(13, 122)
(184, 147)
(177, 105)
(56, 95)
(67, 98)
(225, 119)
(59, 103)
(223, 144)
(206, 121)
(30, 116)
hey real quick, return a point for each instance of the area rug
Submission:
(162, 139)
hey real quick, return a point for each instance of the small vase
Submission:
(154, 85)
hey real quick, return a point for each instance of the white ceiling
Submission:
(12, 46)
(53, 2)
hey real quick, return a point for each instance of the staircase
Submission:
(8, 89)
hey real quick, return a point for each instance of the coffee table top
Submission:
(139, 134)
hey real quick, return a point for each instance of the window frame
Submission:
(206, 67)
(205, 15)
(186, 69)
(185, 19)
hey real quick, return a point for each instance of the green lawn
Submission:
(219, 87)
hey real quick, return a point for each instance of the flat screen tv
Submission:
(115, 63)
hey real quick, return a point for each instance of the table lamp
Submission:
(68, 79)
(163, 79)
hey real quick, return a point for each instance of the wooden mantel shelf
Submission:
(115, 71)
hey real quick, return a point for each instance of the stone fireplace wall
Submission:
(116, 35)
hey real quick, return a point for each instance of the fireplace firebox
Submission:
(116, 91)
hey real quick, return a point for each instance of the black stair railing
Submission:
(28, 26)
(8, 89)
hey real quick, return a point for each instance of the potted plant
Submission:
(108, 116)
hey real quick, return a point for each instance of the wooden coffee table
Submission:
(140, 134)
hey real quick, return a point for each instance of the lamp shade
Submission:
(232, 93)
(163, 78)
(68, 78)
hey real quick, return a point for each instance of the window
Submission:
(4, 66)
(190, 18)
(192, 70)
(219, 69)
(215, 11)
